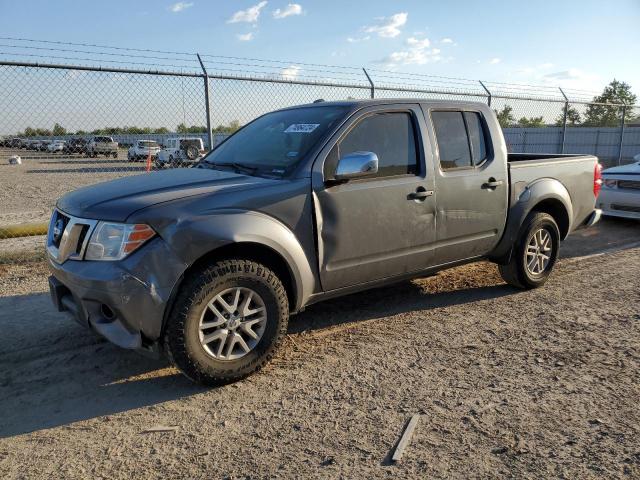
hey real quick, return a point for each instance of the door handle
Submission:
(420, 194)
(492, 184)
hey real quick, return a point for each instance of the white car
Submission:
(141, 149)
(56, 146)
(620, 194)
(180, 151)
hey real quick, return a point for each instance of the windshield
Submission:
(276, 142)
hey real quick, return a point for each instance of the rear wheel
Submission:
(534, 254)
(227, 321)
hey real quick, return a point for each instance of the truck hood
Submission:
(117, 199)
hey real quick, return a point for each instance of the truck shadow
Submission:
(54, 372)
(379, 303)
(59, 373)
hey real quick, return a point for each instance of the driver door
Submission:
(376, 227)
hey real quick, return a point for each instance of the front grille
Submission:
(634, 184)
(625, 208)
(68, 236)
(59, 223)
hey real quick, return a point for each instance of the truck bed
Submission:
(574, 172)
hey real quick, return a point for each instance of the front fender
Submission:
(524, 198)
(193, 237)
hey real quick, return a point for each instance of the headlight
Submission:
(610, 183)
(114, 241)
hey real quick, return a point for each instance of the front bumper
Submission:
(124, 301)
(620, 202)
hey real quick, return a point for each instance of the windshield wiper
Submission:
(238, 167)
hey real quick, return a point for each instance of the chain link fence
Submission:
(65, 126)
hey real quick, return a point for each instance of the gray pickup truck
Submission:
(206, 264)
(102, 146)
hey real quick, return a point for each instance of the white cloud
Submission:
(416, 53)
(446, 40)
(358, 39)
(245, 37)
(574, 78)
(292, 9)
(416, 43)
(388, 27)
(495, 61)
(180, 6)
(250, 15)
(290, 73)
(545, 65)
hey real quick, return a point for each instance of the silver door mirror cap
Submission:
(357, 165)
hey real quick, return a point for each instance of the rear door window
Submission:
(477, 138)
(461, 137)
(453, 142)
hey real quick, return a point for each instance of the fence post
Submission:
(624, 114)
(206, 102)
(373, 87)
(488, 92)
(564, 120)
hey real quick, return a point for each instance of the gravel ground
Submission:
(542, 383)
(29, 191)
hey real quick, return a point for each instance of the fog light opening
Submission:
(106, 312)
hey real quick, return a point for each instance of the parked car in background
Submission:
(56, 146)
(620, 195)
(180, 151)
(101, 145)
(16, 143)
(303, 205)
(141, 149)
(32, 145)
(44, 144)
(75, 145)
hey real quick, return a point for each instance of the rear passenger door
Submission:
(471, 185)
(375, 227)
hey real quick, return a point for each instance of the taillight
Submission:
(597, 180)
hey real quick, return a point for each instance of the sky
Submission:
(579, 44)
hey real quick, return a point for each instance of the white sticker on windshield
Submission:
(301, 127)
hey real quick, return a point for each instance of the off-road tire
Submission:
(515, 272)
(181, 337)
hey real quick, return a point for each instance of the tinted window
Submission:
(453, 144)
(476, 136)
(390, 136)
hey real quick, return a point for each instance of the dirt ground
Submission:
(534, 384)
(29, 191)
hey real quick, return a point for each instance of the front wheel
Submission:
(534, 254)
(227, 322)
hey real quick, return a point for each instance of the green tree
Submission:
(59, 130)
(505, 117)
(182, 128)
(573, 118)
(534, 122)
(609, 116)
(230, 128)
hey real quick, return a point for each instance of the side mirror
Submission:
(357, 165)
